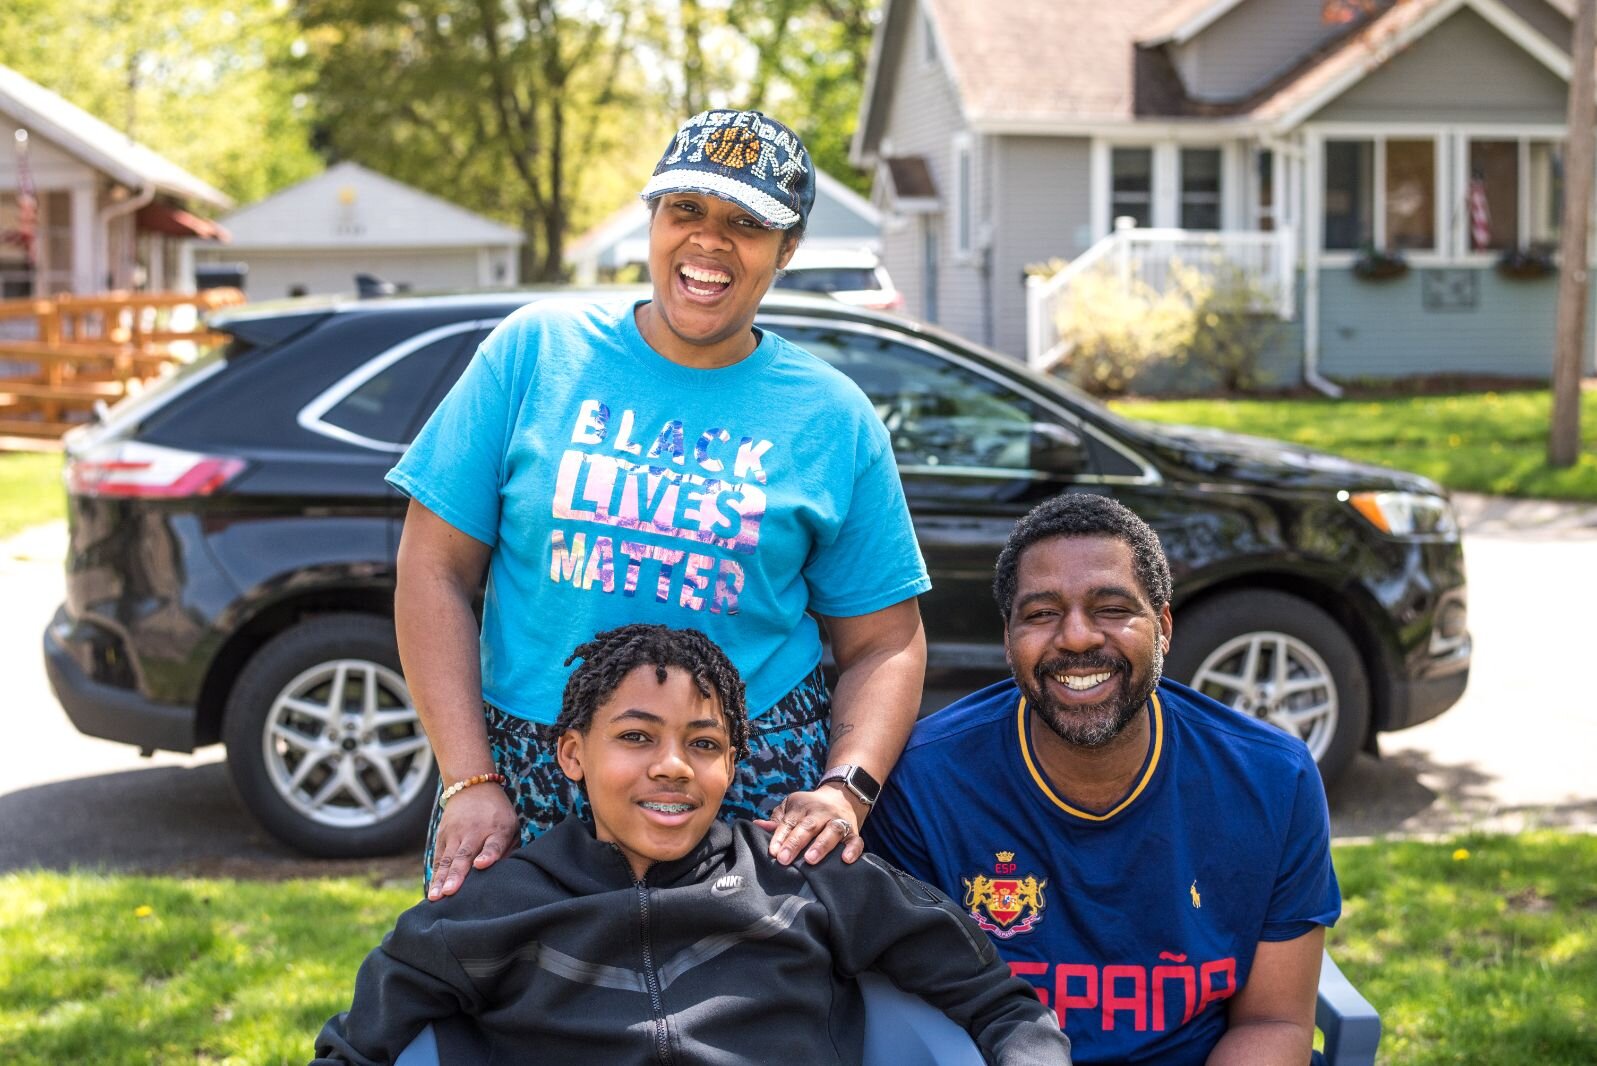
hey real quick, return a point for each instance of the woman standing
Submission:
(663, 461)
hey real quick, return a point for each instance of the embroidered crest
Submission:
(1013, 904)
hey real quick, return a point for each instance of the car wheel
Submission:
(1283, 660)
(324, 743)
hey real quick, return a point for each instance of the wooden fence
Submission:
(62, 355)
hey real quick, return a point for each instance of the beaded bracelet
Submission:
(474, 779)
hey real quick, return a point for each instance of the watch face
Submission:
(864, 785)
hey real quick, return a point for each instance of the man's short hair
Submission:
(611, 655)
(1081, 514)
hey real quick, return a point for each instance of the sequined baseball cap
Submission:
(741, 156)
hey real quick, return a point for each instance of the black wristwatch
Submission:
(865, 787)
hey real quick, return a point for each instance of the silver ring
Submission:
(843, 826)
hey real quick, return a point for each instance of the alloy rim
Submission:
(344, 746)
(1278, 679)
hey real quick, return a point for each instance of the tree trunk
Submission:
(1563, 437)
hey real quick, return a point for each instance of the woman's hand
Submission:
(881, 663)
(819, 820)
(477, 828)
(440, 571)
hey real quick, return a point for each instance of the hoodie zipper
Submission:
(651, 978)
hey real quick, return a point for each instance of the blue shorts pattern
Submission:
(787, 753)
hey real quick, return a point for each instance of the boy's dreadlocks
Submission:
(614, 653)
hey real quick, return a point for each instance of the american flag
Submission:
(26, 230)
(1480, 215)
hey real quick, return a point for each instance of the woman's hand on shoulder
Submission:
(816, 821)
(477, 828)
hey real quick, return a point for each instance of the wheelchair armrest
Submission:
(1352, 1027)
(903, 1028)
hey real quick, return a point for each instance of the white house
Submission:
(108, 213)
(841, 219)
(315, 237)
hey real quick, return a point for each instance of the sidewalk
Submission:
(1491, 515)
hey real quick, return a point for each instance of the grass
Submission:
(1489, 958)
(155, 970)
(30, 491)
(1489, 442)
(1479, 950)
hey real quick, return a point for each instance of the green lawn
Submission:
(1489, 958)
(1491, 442)
(30, 491)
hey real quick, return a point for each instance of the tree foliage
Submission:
(532, 111)
(213, 85)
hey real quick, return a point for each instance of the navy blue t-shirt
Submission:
(1135, 924)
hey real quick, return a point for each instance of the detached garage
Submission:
(319, 235)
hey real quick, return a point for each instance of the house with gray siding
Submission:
(1288, 138)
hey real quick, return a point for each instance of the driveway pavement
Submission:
(1516, 752)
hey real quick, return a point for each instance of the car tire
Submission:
(1230, 648)
(324, 744)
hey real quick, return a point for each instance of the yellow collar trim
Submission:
(1042, 782)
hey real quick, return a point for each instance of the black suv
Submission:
(231, 569)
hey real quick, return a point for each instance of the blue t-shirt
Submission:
(616, 486)
(1137, 923)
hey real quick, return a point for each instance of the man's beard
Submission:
(1095, 724)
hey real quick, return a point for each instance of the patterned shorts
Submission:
(787, 752)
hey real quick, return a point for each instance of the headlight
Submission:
(1404, 514)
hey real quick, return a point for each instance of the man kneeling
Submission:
(655, 932)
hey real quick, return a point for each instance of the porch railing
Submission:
(1150, 256)
(62, 355)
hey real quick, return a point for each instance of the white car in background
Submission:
(855, 276)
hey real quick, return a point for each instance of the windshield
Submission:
(175, 380)
(829, 279)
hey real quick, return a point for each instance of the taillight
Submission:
(132, 468)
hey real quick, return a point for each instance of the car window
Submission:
(943, 415)
(446, 381)
(829, 279)
(384, 406)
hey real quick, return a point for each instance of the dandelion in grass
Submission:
(143, 910)
(1461, 855)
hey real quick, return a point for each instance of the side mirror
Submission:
(1056, 449)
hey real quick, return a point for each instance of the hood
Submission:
(1217, 455)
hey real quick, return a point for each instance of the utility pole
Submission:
(1563, 436)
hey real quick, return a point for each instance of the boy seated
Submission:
(659, 933)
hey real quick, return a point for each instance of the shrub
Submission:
(1117, 327)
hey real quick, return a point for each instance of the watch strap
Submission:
(857, 780)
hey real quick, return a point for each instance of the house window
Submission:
(1492, 198)
(1200, 188)
(1264, 177)
(1411, 195)
(1545, 189)
(1349, 195)
(16, 272)
(1131, 185)
(964, 222)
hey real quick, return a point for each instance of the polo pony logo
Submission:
(1012, 904)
